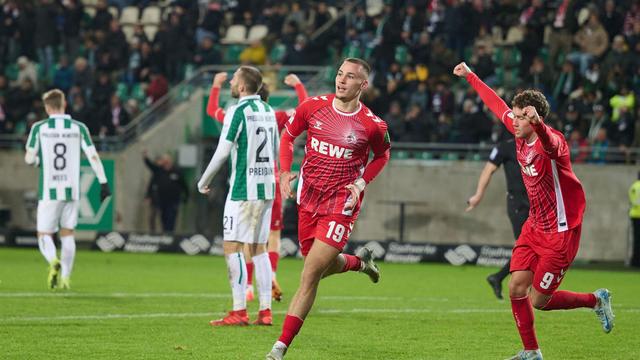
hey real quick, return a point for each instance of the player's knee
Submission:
(538, 300)
(518, 289)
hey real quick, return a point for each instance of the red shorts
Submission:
(332, 229)
(547, 255)
(276, 210)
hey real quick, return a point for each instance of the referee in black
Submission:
(504, 153)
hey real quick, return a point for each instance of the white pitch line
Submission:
(201, 295)
(278, 312)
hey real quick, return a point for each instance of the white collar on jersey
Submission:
(333, 104)
(249, 97)
(60, 116)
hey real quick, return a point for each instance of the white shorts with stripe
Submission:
(247, 221)
(55, 214)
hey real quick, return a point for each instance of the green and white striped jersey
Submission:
(251, 125)
(57, 141)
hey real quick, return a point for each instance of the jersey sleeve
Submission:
(380, 144)
(552, 142)
(213, 106)
(497, 155)
(497, 106)
(281, 119)
(232, 125)
(298, 120)
(301, 92)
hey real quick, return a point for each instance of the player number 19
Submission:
(336, 231)
(546, 280)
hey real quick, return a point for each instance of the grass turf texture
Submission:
(133, 306)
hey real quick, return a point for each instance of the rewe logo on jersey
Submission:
(326, 148)
(529, 170)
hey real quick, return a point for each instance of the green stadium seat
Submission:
(401, 54)
(232, 54)
(400, 155)
(122, 90)
(11, 71)
(425, 155)
(351, 51)
(277, 53)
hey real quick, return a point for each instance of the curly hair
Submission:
(532, 98)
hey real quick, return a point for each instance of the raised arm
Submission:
(294, 81)
(213, 108)
(499, 108)
(294, 127)
(551, 142)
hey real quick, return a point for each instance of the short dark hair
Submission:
(532, 98)
(54, 99)
(365, 65)
(264, 92)
(252, 78)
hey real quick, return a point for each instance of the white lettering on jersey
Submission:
(529, 170)
(293, 115)
(372, 115)
(326, 148)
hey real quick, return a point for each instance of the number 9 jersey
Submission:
(57, 142)
(252, 128)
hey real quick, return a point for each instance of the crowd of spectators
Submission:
(584, 55)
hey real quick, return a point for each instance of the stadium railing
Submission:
(312, 76)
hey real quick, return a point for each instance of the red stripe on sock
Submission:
(290, 329)
(274, 257)
(523, 314)
(249, 273)
(563, 300)
(351, 263)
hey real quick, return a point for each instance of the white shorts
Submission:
(53, 214)
(247, 221)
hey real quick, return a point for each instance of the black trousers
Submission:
(635, 256)
(518, 211)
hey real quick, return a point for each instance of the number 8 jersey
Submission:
(57, 142)
(251, 125)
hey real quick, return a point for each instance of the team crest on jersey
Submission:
(318, 125)
(351, 138)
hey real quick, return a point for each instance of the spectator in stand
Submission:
(117, 118)
(599, 147)
(22, 100)
(26, 70)
(207, 54)
(625, 100)
(45, 33)
(63, 76)
(117, 45)
(175, 48)
(79, 110)
(6, 125)
(539, 77)
(599, 120)
(103, 17)
(101, 92)
(566, 82)
(612, 19)
(592, 40)
(82, 75)
(472, 125)
(579, 147)
(72, 14)
(158, 87)
(413, 127)
(483, 64)
(255, 54)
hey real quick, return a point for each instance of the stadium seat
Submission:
(374, 7)
(91, 11)
(129, 15)
(137, 92)
(401, 54)
(11, 71)
(232, 54)
(257, 32)
(113, 11)
(351, 51)
(333, 11)
(122, 90)
(91, 3)
(400, 154)
(277, 53)
(128, 32)
(514, 35)
(425, 155)
(236, 34)
(150, 31)
(151, 15)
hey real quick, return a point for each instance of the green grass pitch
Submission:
(135, 306)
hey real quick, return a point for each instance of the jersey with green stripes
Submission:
(251, 125)
(57, 141)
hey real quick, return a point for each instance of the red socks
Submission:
(523, 314)
(351, 263)
(290, 328)
(249, 273)
(274, 257)
(562, 300)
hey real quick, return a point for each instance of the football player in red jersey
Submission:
(341, 132)
(550, 237)
(217, 113)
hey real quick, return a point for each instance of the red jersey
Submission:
(336, 152)
(555, 193)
